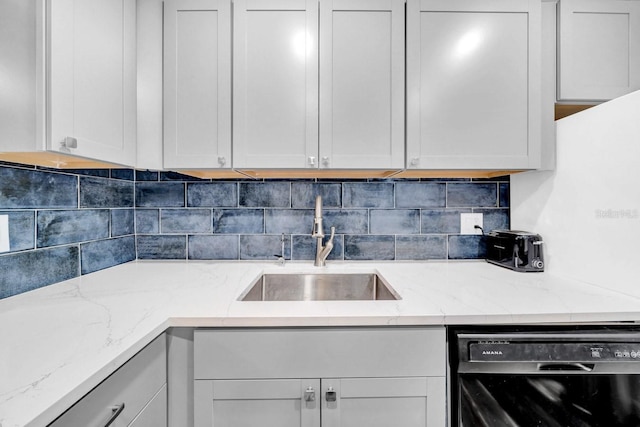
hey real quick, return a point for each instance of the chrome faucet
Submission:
(322, 252)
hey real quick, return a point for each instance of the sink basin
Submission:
(319, 287)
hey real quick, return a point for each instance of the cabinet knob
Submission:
(325, 161)
(312, 161)
(67, 143)
(222, 160)
(414, 161)
(331, 395)
(309, 394)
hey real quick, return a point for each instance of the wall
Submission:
(67, 223)
(62, 225)
(588, 209)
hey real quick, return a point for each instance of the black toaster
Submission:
(517, 250)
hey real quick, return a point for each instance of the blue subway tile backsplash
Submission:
(265, 194)
(67, 223)
(105, 193)
(367, 195)
(64, 223)
(210, 194)
(21, 229)
(160, 194)
(71, 226)
(472, 195)
(35, 189)
(214, 246)
(421, 195)
(185, 221)
(107, 253)
(162, 246)
(24, 271)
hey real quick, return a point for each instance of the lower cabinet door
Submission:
(251, 403)
(384, 402)
(155, 413)
(331, 402)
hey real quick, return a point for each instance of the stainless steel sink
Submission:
(319, 287)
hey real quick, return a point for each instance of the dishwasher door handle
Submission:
(583, 367)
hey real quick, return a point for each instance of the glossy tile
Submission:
(63, 227)
(472, 195)
(122, 222)
(266, 247)
(394, 221)
(367, 195)
(147, 175)
(212, 194)
(21, 230)
(24, 271)
(369, 247)
(222, 247)
(441, 221)
(160, 194)
(105, 193)
(303, 194)
(504, 195)
(124, 174)
(304, 247)
(421, 247)
(347, 221)
(185, 221)
(421, 195)
(147, 221)
(265, 194)
(467, 247)
(494, 219)
(162, 247)
(289, 221)
(103, 254)
(34, 189)
(238, 221)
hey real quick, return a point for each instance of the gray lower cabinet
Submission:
(321, 377)
(133, 396)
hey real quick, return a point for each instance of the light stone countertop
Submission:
(60, 341)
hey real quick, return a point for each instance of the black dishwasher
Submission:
(545, 378)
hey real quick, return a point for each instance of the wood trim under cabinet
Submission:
(565, 110)
(56, 160)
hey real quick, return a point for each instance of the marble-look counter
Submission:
(59, 342)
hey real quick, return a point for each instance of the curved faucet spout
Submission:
(322, 252)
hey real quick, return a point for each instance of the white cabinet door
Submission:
(599, 49)
(92, 78)
(361, 84)
(197, 84)
(383, 402)
(473, 83)
(250, 403)
(275, 84)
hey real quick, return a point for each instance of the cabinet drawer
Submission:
(134, 384)
(319, 352)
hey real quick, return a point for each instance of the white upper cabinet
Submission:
(473, 84)
(599, 49)
(197, 84)
(275, 83)
(348, 63)
(362, 84)
(92, 79)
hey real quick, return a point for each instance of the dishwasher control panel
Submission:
(503, 351)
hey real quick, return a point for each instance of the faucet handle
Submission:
(333, 232)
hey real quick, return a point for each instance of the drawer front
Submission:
(319, 352)
(135, 383)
